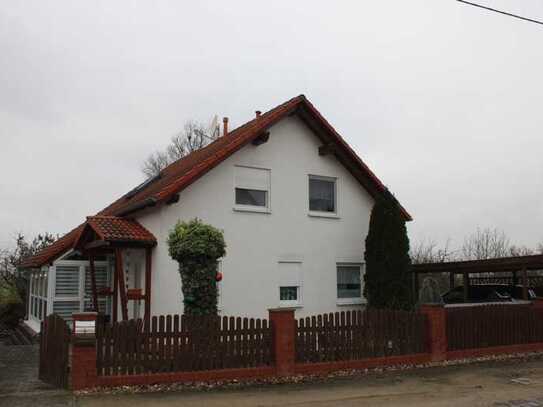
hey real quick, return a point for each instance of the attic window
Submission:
(142, 186)
(252, 189)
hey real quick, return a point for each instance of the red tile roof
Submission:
(119, 230)
(186, 170)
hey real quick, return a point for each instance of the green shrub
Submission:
(197, 247)
(12, 308)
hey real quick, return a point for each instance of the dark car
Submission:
(487, 293)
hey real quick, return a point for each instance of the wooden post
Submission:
(515, 278)
(466, 286)
(148, 258)
(122, 283)
(93, 282)
(415, 286)
(524, 284)
(451, 281)
(115, 293)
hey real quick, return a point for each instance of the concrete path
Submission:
(497, 384)
(19, 383)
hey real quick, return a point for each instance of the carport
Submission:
(506, 270)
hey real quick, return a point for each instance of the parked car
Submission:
(487, 293)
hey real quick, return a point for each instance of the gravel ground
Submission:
(497, 383)
(505, 381)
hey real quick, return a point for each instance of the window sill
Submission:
(329, 215)
(251, 209)
(347, 301)
(290, 305)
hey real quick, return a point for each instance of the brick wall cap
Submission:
(432, 305)
(283, 309)
(85, 316)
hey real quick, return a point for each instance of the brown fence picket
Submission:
(351, 335)
(183, 343)
(493, 325)
(54, 351)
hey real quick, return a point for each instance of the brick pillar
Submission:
(84, 373)
(284, 338)
(437, 330)
(537, 304)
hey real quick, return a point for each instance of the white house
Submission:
(292, 198)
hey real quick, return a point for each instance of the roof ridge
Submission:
(186, 170)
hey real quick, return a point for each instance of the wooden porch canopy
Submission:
(113, 234)
(513, 265)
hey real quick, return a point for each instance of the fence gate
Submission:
(54, 350)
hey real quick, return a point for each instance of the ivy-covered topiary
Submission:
(197, 247)
(387, 278)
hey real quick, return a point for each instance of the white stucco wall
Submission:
(257, 242)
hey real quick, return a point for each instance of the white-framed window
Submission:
(251, 189)
(289, 295)
(349, 283)
(290, 279)
(38, 295)
(322, 195)
(67, 292)
(72, 291)
(103, 280)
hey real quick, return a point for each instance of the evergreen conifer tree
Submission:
(387, 277)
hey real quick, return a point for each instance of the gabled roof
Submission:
(114, 230)
(186, 170)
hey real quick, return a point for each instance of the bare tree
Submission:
(193, 137)
(429, 252)
(515, 251)
(486, 244)
(13, 280)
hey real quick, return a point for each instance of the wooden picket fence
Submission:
(54, 351)
(352, 335)
(493, 325)
(183, 343)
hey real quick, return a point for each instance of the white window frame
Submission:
(353, 300)
(80, 297)
(324, 214)
(38, 295)
(252, 208)
(291, 303)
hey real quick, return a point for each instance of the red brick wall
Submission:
(84, 374)
(437, 330)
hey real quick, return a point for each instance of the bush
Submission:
(197, 247)
(12, 308)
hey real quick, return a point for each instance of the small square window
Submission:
(322, 194)
(251, 197)
(349, 282)
(288, 294)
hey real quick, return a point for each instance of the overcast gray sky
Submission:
(442, 100)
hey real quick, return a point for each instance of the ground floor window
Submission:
(38, 295)
(349, 282)
(289, 295)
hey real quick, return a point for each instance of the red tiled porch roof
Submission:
(186, 170)
(113, 229)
